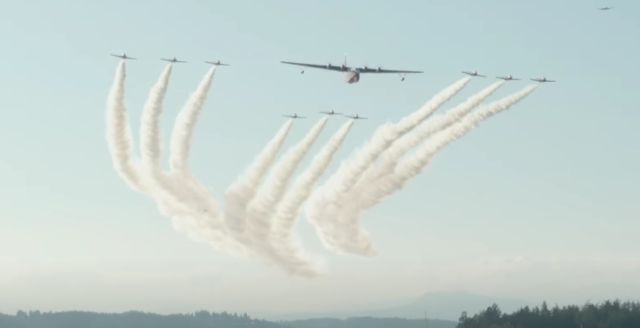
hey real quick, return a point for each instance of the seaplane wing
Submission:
(331, 67)
(366, 69)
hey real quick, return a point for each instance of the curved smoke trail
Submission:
(286, 246)
(409, 141)
(348, 235)
(150, 123)
(185, 123)
(411, 167)
(351, 170)
(261, 208)
(119, 132)
(259, 218)
(332, 196)
(289, 209)
(244, 189)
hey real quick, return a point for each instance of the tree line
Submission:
(77, 319)
(609, 314)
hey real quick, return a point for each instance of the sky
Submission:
(539, 203)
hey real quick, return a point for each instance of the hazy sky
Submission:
(538, 203)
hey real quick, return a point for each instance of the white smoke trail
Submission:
(349, 173)
(348, 235)
(185, 123)
(179, 196)
(119, 133)
(411, 167)
(321, 210)
(286, 248)
(391, 156)
(289, 208)
(184, 186)
(261, 208)
(150, 127)
(243, 190)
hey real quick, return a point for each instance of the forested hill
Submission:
(367, 322)
(604, 315)
(202, 319)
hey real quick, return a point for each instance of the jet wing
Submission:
(330, 67)
(382, 70)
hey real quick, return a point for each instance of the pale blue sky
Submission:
(540, 202)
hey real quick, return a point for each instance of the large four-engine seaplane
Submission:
(352, 74)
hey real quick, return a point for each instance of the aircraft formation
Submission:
(352, 75)
(332, 112)
(263, 205)
(508, 77)
(173, 60)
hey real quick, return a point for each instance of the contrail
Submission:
(289, 208)
(150, 127)
(391, 156)
(119, 132)
(349, 236)
(330, 197)
(256, 216)
(177, 195)
(262, 207)
(349, 173)
(411, 167)
(259, 218)
(243, 190)
(179, 184)
(286, 247)
(185, 124)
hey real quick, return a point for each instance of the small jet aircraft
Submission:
(605, 8)
(173, 60)
(330, 113)
(216, 63)
(352, 74)
(123, 56)
(474, 73)
(294, 116)
(542, 80)
(507, 78)
(355, 117)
